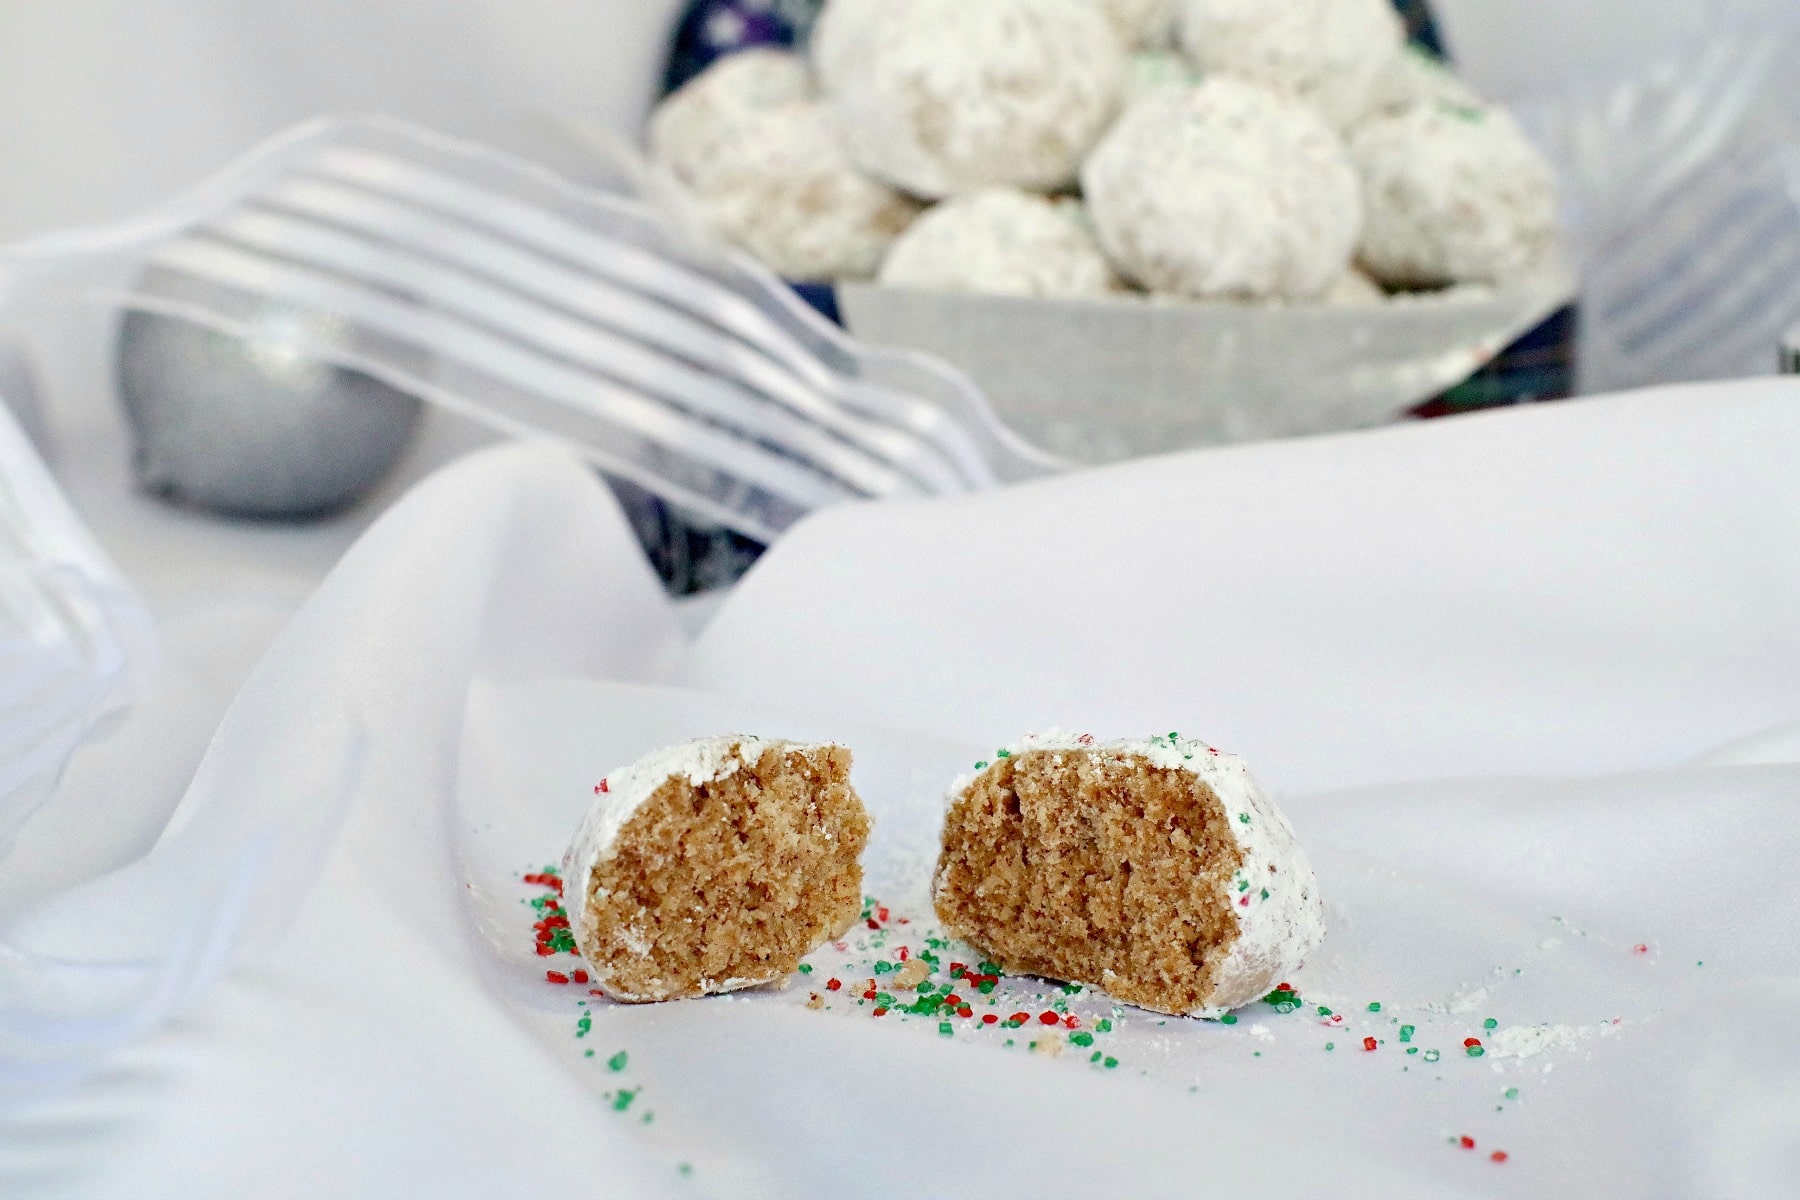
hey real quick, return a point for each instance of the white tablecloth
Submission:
(1479, 659)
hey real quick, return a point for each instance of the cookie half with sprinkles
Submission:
(1156, 870)
(714, 866)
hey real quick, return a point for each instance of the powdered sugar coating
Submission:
(1414, 77)
(1329, 53)
(689, 130)
(940, 97)
(1280, 916)
(1224, 191)
(784, 190)
(1142, 24)
(618, 798)
(1352, 290)
(1001, 241)
(1455, 194)
(765, 169)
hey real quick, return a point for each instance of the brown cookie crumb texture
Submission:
(730, 881)
(1093, 867)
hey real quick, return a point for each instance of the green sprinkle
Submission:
(1265, 893)
(806, 968)
(1110, 1062)
(944, 1028)
(617, 1062)
(1228, 1019)
(649, 1117)
(686, 1168)
(1431, 1056)
(1512, 1093)
(981, 766)
(1244, 817)
(1071, 989)
(1243, 885)
(1490, 1023)
(883, 967)
(1476, 1052)
(587, 1054)
(1375, 1006)
(985, 986)
(1412, 1049)
(1104, 1025)
(1323, 1011)
(1406, 1032)
(1082, 1039)
(1331, 1045)
(988, 968)
(926, 988)
(623, 1100)
(1095, 1057)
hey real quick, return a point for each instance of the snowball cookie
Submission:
(1330, 53)
(941, 97)
(784, 190)
(1415, 77)
(1156, 871)
(690, 127)
(714, 866)
(1142, 24)
(1224, 191)
(1004, 241)
(1455, 194)
(767, 172)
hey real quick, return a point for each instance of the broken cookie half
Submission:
(714, 866)
(1156, 870)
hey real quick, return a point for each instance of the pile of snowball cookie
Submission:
(1242, 150)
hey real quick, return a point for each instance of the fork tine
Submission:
(457, 340)
(524, 321)
(559, 236)
(647, 320)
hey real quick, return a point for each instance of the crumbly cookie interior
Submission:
(733, 880)
(1094, 867)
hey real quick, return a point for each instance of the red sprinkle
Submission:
(965, 1011)
(602, 786)
(579, 977)
(1467, 1142)
(1284, 987)
(957, 969)
(1368, 1043)
(989, 1019)
(1049, 1018)
(881, 1010)
(903, 954)
(882, 912)
(1244, 900)
(1020, 1018)
(595, 992)
(873, 924)
(544, 950)
(1498, 1156)
(1072, 1021)
(1471, 1042)
(869, 995)
(1640, 948)
(832, 985)
(556, 977)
